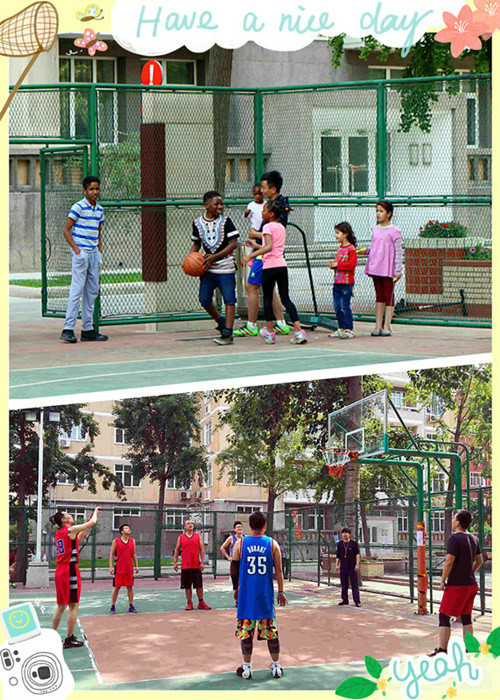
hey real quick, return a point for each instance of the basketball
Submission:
(193, 264)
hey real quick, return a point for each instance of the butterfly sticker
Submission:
(91, 42)
(90, 12)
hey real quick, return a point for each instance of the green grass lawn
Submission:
(65, 280)
(104, 563)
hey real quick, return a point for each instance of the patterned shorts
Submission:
(266, 629)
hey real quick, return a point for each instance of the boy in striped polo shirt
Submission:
(86, 218)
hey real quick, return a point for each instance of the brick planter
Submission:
(474, 277)
(424, 261)
(371, 569)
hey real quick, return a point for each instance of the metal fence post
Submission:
(214, 545)
(290, 534)
(258, 134)
(318, 517)
(157, 549)
(381, 140)
(26, 542)
(92, 554)
(480, 532)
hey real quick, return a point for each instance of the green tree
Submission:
(163, 432)
(84, 468)
(426, 58)
(464, 394)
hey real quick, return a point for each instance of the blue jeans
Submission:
(225, 281)
(342, 294)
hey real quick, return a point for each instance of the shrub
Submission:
(437, 229)
(479, 252)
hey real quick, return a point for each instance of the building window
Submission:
(124, 473)
(209, 478)
(175, 518)
(208, 432)
(248, 510)
(435, 408)
(121, 436)
(402, 521)
(176, 72)
(437, 521)
(78, 514)
(477, 480)
(78, 433)
(397, 398)
(171, 483)
(71, 479)
(438, 483)
(75, 103)
(243, 478)
(119, 513)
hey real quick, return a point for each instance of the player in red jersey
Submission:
(67, 576)
(193, 557)
(122, 570)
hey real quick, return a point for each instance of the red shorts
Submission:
(67, 590)
(458, 600)
(120, 580)
(384, 290)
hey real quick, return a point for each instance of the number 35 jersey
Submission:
(256, 594)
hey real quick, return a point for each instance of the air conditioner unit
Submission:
(185, 495)
(65, 441)
(198, 494)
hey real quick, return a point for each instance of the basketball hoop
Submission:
(336, 458)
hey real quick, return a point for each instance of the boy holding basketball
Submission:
(122, 558)
(219, 238)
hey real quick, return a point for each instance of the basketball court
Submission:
(164, 647)
(43, 366)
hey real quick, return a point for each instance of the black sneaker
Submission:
(358, 605)
(226, 337)
(244, 672)
(437, 651)
(68, 336)
(342, 603)
(92, 335)
(72, 642)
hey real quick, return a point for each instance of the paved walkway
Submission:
(133, 358)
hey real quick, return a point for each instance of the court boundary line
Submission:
(143, 371)
(91, 654)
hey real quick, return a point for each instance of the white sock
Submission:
(247, 665)
(251, 325)
(275, 663)
(281, 324)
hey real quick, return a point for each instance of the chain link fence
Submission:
(385, 529)
(424, 144)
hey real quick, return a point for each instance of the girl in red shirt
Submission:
(344, 265)
(67, 576)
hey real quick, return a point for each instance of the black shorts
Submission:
(191, 578)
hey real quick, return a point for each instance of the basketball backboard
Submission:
(361, 427)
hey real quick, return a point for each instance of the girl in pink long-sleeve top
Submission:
(384, 266)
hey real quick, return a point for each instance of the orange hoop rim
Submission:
(336, 459)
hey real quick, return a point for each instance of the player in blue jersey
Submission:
(256, 556)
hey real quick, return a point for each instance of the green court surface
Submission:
(176, 371)
(85, 670)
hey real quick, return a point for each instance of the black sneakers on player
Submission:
(68, 336)
(72, 642)
(92, 336)
(244, 671)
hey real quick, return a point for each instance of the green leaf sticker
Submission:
(471, 643)
(494, 640)
(356, 688)
(373, 667)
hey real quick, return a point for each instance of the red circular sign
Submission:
(152, 73)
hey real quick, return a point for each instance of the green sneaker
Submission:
(281, 330)
(246, 330)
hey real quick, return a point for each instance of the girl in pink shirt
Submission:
(384, 266)
(275, 271)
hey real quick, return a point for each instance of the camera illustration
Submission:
(32, 663)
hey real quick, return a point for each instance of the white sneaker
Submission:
(299, 338)
(276, 670)
(270, 338)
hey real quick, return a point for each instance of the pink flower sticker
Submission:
(91, 42)
(488, 12)
(461, 32)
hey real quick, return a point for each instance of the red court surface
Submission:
(173, 644)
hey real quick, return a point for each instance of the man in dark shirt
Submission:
(458, 579)
(349, 557)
